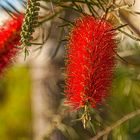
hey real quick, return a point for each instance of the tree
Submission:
(82, 84)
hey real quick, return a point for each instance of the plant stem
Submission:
(116, 124)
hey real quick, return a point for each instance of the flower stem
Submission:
(116, 124)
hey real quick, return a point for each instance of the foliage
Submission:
(116, 118)
(15, 106)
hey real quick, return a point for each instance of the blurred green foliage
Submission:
(124, 98)
(15, 108)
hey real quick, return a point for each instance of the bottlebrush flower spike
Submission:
(9, 39)
(90, 61)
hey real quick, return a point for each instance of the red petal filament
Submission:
(90, 61)
(9, 39)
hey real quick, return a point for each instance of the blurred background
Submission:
(31, 90)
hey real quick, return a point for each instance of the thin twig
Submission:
(116, 124)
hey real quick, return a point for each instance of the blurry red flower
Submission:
(90, 62)
(9, 40)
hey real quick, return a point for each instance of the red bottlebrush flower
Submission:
(9, 39)
(90, 62)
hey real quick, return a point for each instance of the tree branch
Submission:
(116, 124)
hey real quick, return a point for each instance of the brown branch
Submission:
(116, 124)
(124, 16)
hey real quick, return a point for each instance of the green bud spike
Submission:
(30, 22)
